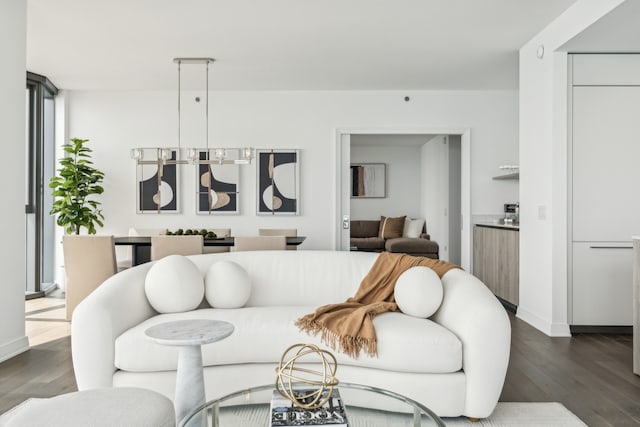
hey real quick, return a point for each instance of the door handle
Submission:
(610, 247)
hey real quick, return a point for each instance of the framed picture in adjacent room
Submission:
(278, 176)
(368, 180)
(217, 188)
(157, 185)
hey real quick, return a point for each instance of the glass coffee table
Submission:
(364, 405)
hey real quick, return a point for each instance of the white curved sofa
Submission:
(454, 363)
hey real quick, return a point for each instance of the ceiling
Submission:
(617, 31)
(284, 44)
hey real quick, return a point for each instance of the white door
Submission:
(344, 191)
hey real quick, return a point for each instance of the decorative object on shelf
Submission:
(368, 180)
(73, 188)
(291, 370)
(157, 185)
(278, 177)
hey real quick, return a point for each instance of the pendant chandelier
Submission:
(206, 155)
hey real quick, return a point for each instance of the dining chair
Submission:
(161, 246)
(127, 262)
(288, 232)
(259, 243)
(220, 232)
(88, 261)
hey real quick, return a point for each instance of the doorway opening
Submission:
(40, 167)
(427, 176)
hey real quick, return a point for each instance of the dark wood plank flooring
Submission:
(591, 374)
(44, 370)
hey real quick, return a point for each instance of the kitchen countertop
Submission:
(498, 225)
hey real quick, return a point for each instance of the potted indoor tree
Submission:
(73, 188)
(88, 260)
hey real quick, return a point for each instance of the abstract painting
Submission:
(368, 180)
(157, 185)
(278, 182)
(217, 188)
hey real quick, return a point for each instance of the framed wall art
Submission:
(217, 188)
(278, 175)
(368, 180)
(157, 185)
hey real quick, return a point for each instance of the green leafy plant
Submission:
(77, 181)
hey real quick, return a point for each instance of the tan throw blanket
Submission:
(348, 326)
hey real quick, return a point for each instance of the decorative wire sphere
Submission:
(289, 372)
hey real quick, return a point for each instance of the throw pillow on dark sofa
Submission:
(391, 228)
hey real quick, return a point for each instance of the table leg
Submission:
(189, 383)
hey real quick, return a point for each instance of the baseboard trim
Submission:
(586, 329)
(14, 348)
(508, 306)
(550, 329)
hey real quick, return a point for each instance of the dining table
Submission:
(141, 245)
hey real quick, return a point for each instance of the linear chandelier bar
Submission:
(213, 156)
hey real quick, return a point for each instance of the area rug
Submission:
(506, 414)
(536, 414)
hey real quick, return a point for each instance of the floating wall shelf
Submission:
(514, 175)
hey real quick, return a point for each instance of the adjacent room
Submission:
(320, 213)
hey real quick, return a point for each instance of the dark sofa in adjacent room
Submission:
(366, 236)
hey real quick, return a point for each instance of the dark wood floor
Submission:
(590, 374)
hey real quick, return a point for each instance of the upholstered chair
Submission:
(220, 232)
(161, 246)
(126, 262)
(88, 261)
(260, 243)
(288, 232)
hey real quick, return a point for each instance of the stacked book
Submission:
(285, 413)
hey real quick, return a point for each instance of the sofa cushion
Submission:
(262, 334)
(364, 228)
(418, 292)
(227, 285)
(391, 227)
(413, 227)
(411, 246)
(174, 284)
(368, 243)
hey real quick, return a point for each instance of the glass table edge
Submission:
(389, 393)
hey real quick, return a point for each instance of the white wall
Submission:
(455, 205)
(543, 169)
(435, 191)
(402, 194)
(118, 121)
(12, 134)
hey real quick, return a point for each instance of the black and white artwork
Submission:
(157, 185)
(278, 182)
(217, 188)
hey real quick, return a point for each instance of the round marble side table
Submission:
(189, 335)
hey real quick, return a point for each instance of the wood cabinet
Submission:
(496, 260)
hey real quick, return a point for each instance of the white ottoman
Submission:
(105, 407)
